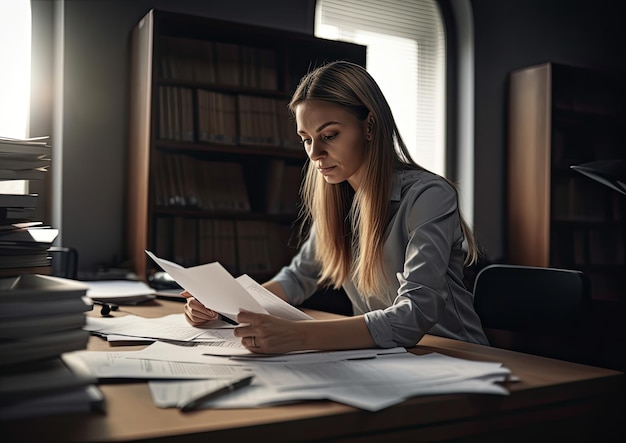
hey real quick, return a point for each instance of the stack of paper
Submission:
(42, 317)
(24, 248)
(24, 159)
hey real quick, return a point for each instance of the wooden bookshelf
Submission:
(561, 116)
(214, 160)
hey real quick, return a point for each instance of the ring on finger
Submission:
(253, 341)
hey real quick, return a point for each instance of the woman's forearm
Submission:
(326, 335)
(275, 288)
(337, 334)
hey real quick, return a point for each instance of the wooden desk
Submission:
(568, 401)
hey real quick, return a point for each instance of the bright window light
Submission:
(406, 56)
(15, 33)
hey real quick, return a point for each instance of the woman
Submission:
(382, 227)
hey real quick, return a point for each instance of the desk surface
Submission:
(552, 398)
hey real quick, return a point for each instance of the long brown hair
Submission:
(350, 226)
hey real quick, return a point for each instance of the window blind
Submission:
(406, 55)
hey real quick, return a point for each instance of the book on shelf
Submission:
(186, 181)
(260, 120)
(253, 246)
(274, 185)
(227, 63)
(290, 191)
(177, 113)
(216, 117)
(215, 62)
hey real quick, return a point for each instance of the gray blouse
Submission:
(423, 266)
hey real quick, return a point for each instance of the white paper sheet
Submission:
(119, 291)
(125, 365)
(216, 289)
(170, 327)
(372, 389)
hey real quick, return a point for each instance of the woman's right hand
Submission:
(195, 312)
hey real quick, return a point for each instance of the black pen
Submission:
(197, 401)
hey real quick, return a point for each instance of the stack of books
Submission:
(41, 318)
(24, 242)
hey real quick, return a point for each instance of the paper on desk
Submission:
(173, 393)
(404, 368)
(170, 327)
(369, 398)
(216, 289)
(367, 384)
(202, 353)
(192, 351)
(119, 291)
(126, 365)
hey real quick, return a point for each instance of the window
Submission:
(406, 55)
(15, 27)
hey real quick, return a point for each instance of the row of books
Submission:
(42, 317)
(225, 118)
(185, 181)
(577, 199)
(266, 121)
(241, 246)
(282, 188)
(221, 63)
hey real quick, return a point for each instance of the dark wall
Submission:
(514, 34)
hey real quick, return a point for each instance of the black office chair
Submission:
(536, 310)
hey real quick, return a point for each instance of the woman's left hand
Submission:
(265, 334)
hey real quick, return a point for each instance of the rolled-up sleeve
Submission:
(427, 229)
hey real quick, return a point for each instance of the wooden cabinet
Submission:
(561, 116)
(214, 160)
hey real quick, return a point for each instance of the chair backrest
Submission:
(531, 309)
